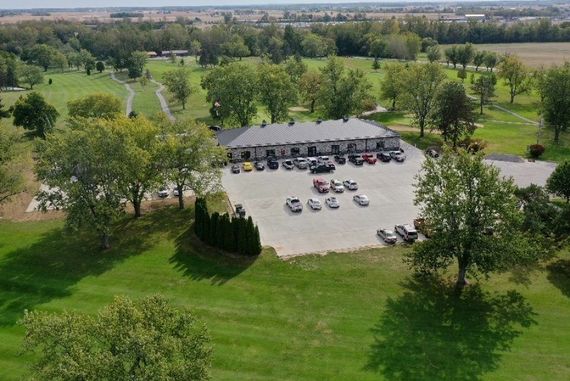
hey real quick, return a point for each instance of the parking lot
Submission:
(388, 186)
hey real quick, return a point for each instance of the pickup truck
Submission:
(321, 185)
(369, 158)
(422, 226)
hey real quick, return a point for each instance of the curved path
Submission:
(131, 93)
(162, 100)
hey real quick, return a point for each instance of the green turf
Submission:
(352, 316)
(70, 86)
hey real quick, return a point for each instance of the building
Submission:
(330, 137)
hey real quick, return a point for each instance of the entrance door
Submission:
(335, 149)
(312, 151)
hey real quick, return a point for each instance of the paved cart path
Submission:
(162, 100)
(131, 93)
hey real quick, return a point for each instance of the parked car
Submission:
(350, 184)
(314, 203)
(272, 163)
(397, 156)
(357, 160)
(175, 192)
(387, 235)
(340, 159)
(312, 161)
(163, 192)
(321, 168)
(321, 185)
(331, 165)
(288, 164)
(324, 158)
(423, 227)
(294, 204)
(407, 232)
(240, 211)
(336, 185)
(369, 158)
(361, 199)
(235, 168)
(332, 202)
(384, 157)
(301, 163)
(432, 152)
(247, 166)
(259, 166)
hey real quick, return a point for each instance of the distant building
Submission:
(178, 53)
(330, 137)
(475, 16)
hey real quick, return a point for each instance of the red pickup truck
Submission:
(369, 158)
(321, 184)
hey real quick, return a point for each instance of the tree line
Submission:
(234, 235)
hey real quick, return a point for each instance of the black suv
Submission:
(384, 157)
(272, 163)
(320, 168)
(340, 159)
(356, 159)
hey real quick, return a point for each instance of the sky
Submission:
(24, 4)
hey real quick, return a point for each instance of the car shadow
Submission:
(432, 333)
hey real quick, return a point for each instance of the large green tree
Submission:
(390, 85)
(554, 89)
(11, 181)
(419, 85)
(30, 74)
(310, 88)
(234, 89)
(42, 55)
(95, 106)
(484, 88)
(474, 216)
(178, 84)
(276, 91)
(515, 75)
(34, 114)
(559, 181)
(147, 339)
(453, 113)
(136, 64)
(190, 158)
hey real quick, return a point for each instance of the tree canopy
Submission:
(276, 90)
(95, 106)
(34, 114)
(178, 83)
(559, 181)
(554, 91)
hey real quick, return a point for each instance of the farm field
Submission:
(533, 54)
(343, 316)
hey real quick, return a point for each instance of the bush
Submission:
(473, 145)
(536, 150)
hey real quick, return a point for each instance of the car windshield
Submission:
(332, 199)
(295, 201)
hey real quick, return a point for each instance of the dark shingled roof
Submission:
(303, 132)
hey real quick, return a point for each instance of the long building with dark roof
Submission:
(329, 137)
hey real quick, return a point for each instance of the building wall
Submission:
(345, 146)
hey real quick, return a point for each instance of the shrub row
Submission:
(235, 235)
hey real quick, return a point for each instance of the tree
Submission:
(100, 66)
(540, 215)
(11, 181)
(234, 88)
(295, 68)
(555, 93)
(475, 217)
(276, 90)
(342, 94)
(377, 49)
(515, 75)
(310, 87)
(478, 59)
(191, 158)
(35, 114)
(453, 113)
(491, 59)
(390, 86)
(559, 181)
(484, 88)
(136, 63)
(32, 75)
(126, 340)
(177, 83)
(433, 53)
(78, 165)
(86, 60)
(451, 56)
(95, 106)
(235, 47)
(418, 86)
(42, 55)
(59, 60)
(465, 55)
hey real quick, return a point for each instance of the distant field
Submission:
(533, 54)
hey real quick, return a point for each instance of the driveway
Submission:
(388, 185)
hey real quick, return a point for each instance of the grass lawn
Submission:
(356, 316)
(70, 86)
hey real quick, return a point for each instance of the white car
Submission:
(301, 163)
(361, 199)
(336, 185)
(314, 203)
(294, 204)
(332, 202)
(288, 164)
(324, 158)
(312, 161)
(407, 232)
(350, 184)
(387, 235)
(175, 192)
(163, 192)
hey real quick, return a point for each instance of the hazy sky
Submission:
(20, 4)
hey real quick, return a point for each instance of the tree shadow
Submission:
(559, 275)
(432, 333)
(50, 267)
(201, 262)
